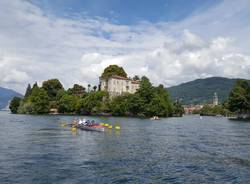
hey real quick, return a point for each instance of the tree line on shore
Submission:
(147, 101)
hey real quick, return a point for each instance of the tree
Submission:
(136, 77)
(239, 97)
(28, 91)
(40, 101)
(52, 87)
(157, 107)
(145, 90)
(178, 110)
(113, 70)
(36, 103)
(77, 90)
(91, 103)
(160, 104)
(94, 88)
(14, 104)
(35, 85)
(136, 105)
(68, 103)
(120, 105)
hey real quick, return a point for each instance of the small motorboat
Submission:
(155, 118)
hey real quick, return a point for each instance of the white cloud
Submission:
(15, 76)
(35, 46)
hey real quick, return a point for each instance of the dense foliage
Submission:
(14, 104)
(113, 70)
(147, 101)
(209, 110)
(201, 91)
(52, 87)
(239, 97)
(36, 103)
(77, 90)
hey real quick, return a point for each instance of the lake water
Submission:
(37, 149)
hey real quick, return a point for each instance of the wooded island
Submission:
(147, 101)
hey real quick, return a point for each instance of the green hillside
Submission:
(202, 90)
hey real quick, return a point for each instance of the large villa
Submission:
(116, 85)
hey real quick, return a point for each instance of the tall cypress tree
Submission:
(35, 85)
(28, 91)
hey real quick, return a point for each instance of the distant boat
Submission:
(155, 118)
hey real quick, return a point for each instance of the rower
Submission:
(80, 122)
(84, 121)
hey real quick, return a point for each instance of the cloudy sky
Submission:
(170, 41)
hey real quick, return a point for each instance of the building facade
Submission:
(116, 85)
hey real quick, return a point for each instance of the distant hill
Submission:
(202, 90)
(6, 95)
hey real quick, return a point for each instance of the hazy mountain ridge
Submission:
(202, 90)
(6, 95)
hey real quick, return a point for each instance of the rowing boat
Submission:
(97, 128)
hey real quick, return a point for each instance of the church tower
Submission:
(215, 99)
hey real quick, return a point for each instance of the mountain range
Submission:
(202, 90)
(6, 95)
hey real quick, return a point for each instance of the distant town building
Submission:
(116, 85)
(215, 99)
(190, 109)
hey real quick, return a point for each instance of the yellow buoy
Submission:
(102, 124)
(117, 127)
(73, 129)
(106, 125)
(110, 126)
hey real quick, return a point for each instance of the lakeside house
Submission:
(117, 85)
(190, 109)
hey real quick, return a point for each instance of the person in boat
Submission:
(84, 121)
(92, 123)
(87, 123)
(80, 122)
(75, 122)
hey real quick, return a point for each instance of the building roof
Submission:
(119, 77)
(123, 78)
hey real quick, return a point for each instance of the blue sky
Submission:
(171, 41)
(129, 11)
